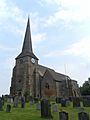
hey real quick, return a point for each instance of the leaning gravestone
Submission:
(45, 109)
(76, 102)
(83, 116)
(8, 108)
(86, 101)
(63, 115)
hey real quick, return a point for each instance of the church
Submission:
(29, 77)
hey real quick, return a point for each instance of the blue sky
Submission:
(60, 36)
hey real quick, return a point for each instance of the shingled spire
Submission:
(27, 44)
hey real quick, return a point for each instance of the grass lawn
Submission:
(30, 113)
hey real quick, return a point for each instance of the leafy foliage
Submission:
(85, 89)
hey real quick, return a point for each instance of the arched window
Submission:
(47, 86)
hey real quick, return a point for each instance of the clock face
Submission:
(33, 60)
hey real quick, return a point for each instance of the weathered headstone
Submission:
(2, 99)
(76, 102)
(22, 101)
(38, 106)
(45, 109)
(68, 102)
(1, 104)
(16, 100)
(86, 101)
(31, 100)
(55, 108)
(83, 116)
(63, 115)
(63, 102)
(8, 108)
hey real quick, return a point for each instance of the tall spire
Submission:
(27, 45)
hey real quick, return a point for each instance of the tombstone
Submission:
(68, 102)
(38, 106)
(63, 102)
(45, 109)
(11, 100)
(86, 101)
(16, 100)
(63, 115)
(31, 100)
(83, 116)
(22, 101)
(55, 108)
(1, 104)
(2, 99)
(8, 108)
(76, 102)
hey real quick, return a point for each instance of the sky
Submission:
(60, 32)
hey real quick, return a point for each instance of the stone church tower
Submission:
(36, 80)
(25, 68)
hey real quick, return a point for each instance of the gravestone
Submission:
(38, 106)
(45, 109)
(76, 102)
(68, 102)
(8, 108)
(63, 102)
(2, 99)
(55, 108)
(16, 101)
(63, 115)
(86, 101)
(83, 116)
(22, 101)
(1, 104)
(31, 100)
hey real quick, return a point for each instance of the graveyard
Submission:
(31, 111)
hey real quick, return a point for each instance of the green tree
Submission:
(85, 89)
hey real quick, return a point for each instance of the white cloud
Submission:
(11, 17)
(80, 48)
(10, 10)
(69, 11)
